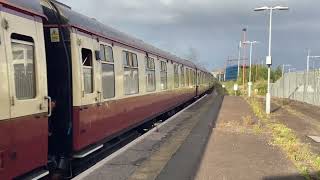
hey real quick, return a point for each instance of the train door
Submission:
(85, 88)
(4, 105)
(25, 63)
(85, 61)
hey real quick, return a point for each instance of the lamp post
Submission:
(244, 36)
(250, 63)
(239, 57)
(269, 59)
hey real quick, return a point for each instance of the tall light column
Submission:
(250, 65)
(244, 32)
(239, 58)
(269, 59)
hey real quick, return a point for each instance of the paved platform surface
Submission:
(233, 153)
(174, 147)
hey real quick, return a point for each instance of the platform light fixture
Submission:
(269, 59)
(251, 43)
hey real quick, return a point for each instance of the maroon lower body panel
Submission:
(23, 145)
(94, 123)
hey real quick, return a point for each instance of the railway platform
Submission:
(150, 154)
(205, 141)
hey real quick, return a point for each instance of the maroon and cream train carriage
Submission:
(102, 83)
(23, 89)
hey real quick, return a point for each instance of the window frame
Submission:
(92, 71)
(150, 67)
(133, 67)
(164, 70)
(187, 77)
(33, 45)
(103, 62)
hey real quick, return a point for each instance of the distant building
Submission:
(219, 74)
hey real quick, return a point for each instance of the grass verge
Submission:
(286, 139)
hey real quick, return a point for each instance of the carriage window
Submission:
(107, 70)
(109, 54)
(102, 53)
(194, 77)
(23, 62)
(163, 75)
(187, 77)
(108, 84)
(150, 74)
(87, 67)
(131, 74)
(182, 76)
(176, 76)
(106, 53)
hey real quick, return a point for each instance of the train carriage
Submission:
(70, 84)
(109, 75)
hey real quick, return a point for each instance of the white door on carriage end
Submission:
(84, 64)
(26, 64)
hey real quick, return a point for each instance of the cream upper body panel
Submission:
(76, 74)
(81, 40)
(141, 71)
(33, 28)
(118, 70)
(4, 85)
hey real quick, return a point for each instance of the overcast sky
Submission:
(213, 27)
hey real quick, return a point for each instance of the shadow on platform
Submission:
(291, 177)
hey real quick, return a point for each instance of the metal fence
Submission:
(300, 86)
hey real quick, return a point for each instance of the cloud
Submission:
(212, 27)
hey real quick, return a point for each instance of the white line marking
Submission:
(125, 148)
(45, 173)
(79, 156)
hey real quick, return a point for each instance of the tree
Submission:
(276, 74)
